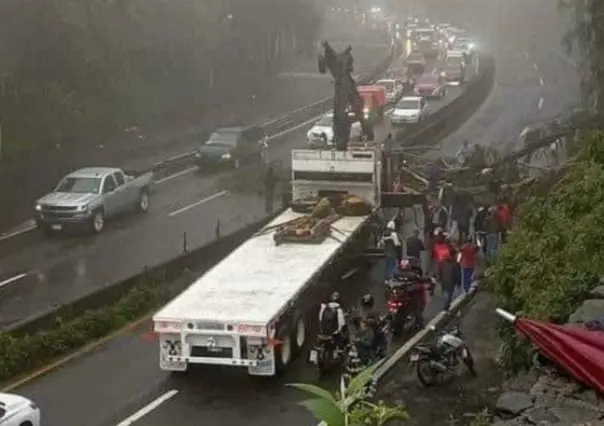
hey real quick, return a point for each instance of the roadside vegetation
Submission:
(555, 254)
(351, 405)
(76, 72)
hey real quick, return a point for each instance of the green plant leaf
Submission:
(325, 411)
(314, 390)
(357, 385)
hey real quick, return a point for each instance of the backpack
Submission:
(329, 321)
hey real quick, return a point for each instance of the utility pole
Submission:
(346, 98)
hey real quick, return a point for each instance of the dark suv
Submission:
(232, 146)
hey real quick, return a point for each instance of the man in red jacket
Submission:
(504, 219)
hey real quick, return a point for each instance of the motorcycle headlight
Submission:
(226, 156)
(38, 208)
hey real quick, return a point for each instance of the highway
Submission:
(123, 376)
(59, 270)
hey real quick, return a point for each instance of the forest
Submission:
(76, 71)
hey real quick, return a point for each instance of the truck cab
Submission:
(254, 309)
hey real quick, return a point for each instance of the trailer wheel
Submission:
(284, 351)
(299, 334)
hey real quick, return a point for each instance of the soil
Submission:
(460, 400)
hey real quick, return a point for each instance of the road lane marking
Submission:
(148, 408)
(535, 67)
(198, 203)
(175, 175)
(12, 280)
(29, 227)
(542, 82)
(526, 55)
(540, 105)
(525, 131)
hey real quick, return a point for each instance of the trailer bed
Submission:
(258, 278)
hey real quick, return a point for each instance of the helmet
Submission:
(367, 300)
(335, 297)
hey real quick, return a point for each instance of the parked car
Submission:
(86, 197)
(231, 147)
(320, 134)
(16, 410)
(409, 110)
(431, 85)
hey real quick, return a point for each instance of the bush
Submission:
(555, 254)
(23, 353)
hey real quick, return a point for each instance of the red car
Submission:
(431, 86)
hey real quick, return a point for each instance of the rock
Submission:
(589, 310)
(522, 382)
(570, 415)
(589, 397)
(598, 292)
(540, 415)
(514, 403)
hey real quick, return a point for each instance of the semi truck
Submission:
(254, 309)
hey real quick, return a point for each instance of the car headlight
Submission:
(226, 156)
(38, 208)
(82, 208)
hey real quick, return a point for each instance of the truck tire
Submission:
(283, 352)
(97, 222)
(299, 334)
(142, 204)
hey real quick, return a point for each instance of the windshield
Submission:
(389, 85)
(408, 104)
(223, 139)
(80, 185)
(326, 120)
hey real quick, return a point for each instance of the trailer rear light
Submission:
(163, 326)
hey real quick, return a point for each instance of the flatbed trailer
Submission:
(252, 309)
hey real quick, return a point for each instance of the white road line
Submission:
(148, 408)
(175, 175)
(28, 228)
(524, 131)
(296, 127)
(535, 67)
(198, 203)
(540, 105)
(542, 82)
(526, 55)
(12, 280)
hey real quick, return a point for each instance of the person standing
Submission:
(467, 261)
(414, 245)
(449, 275)
(391, 244)
(492, 234)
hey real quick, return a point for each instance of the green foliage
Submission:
(19, 354)
(350, 407)
(555, 254)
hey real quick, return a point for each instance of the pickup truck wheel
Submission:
(143, 202)
(98, 221)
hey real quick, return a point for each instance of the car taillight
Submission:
(394, 306)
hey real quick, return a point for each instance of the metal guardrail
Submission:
(275, 126)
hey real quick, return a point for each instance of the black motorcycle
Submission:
(356, 361)
(326, 354)
(444, 358)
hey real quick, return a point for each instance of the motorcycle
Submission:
(355, 363)
(444, 358)
(326, 354)
(400, 305)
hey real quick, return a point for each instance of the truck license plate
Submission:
(414, 358)
(313, 356)
(56, 227)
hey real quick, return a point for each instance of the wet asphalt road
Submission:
(59, 270)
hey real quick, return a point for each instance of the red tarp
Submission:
(578, 351)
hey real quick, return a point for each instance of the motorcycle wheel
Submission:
(426, 375)
(323, 362)
(469, 362)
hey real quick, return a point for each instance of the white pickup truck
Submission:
(252, 309)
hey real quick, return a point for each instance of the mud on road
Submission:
(459, 400)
